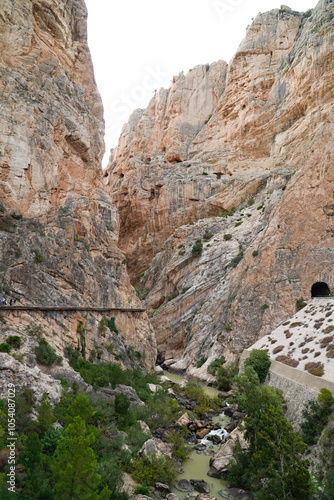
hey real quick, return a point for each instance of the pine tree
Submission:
(45, 416)
(272, 464)
(75, 465)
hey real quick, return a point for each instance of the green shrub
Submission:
(235, 261)
(6, 223)
(300, 303)
(141, 490)
(215, 364)
(38, 257)
(148, 471)
(227, 237)
(227, 213)
(250, 202)
(225, 375)
(316, 415)
(14, 341)
(197, 248)
(5, 348)
(50, 440)
(255, 253)
(259, 360)
(203, 402)
(207, 236)
(172, 296)
(111, 325)
(34, 330)
(201, 362)
(45, 354)
(181, 449)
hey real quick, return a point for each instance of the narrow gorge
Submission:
(211, 227)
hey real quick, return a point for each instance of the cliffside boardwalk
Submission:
(71, 308)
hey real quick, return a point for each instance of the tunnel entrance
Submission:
(320, 289)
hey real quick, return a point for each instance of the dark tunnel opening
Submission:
(320, 289)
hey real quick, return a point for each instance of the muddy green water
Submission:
(197, 465)
(210, 391)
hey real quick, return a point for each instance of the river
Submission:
(197, 465)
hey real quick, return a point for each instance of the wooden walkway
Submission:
(70, 308)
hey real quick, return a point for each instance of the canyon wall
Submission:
(265, 150)
(58, 226)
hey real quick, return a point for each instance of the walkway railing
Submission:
(70, 308)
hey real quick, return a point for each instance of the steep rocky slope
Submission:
(59, 228)
(265, 148)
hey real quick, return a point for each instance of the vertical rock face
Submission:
(59, 228)
(147, 174)
(267, 149)
(51, 112)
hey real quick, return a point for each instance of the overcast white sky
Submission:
(138, 45)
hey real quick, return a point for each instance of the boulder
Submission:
(183, 420)
(236, 494)
(213, 472)
(215, 438)
(167, 363)
(124, 389)
(200, 485)
(155, 447)
(229, 411)
(158, 370)
(163, 379)
(144, 427)
(162, 488)
(221, 459)
(183, 383)
(154, 388)
(172, 496)
(201, 433)
(184, 485)
(205, 496)
(231, 426)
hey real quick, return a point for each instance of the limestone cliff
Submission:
(266, 149)
(59, 228)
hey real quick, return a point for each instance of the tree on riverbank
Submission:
(272, 466)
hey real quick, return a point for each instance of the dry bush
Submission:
(288, 334)
(325, 341)
(277, 349)
(328, 329)
(286, 360)
(315, 368)
(304, 351)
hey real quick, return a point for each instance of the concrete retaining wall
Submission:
(297, 386)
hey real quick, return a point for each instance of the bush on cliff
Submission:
(45, 354)
(259, 360)
(316, 415)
